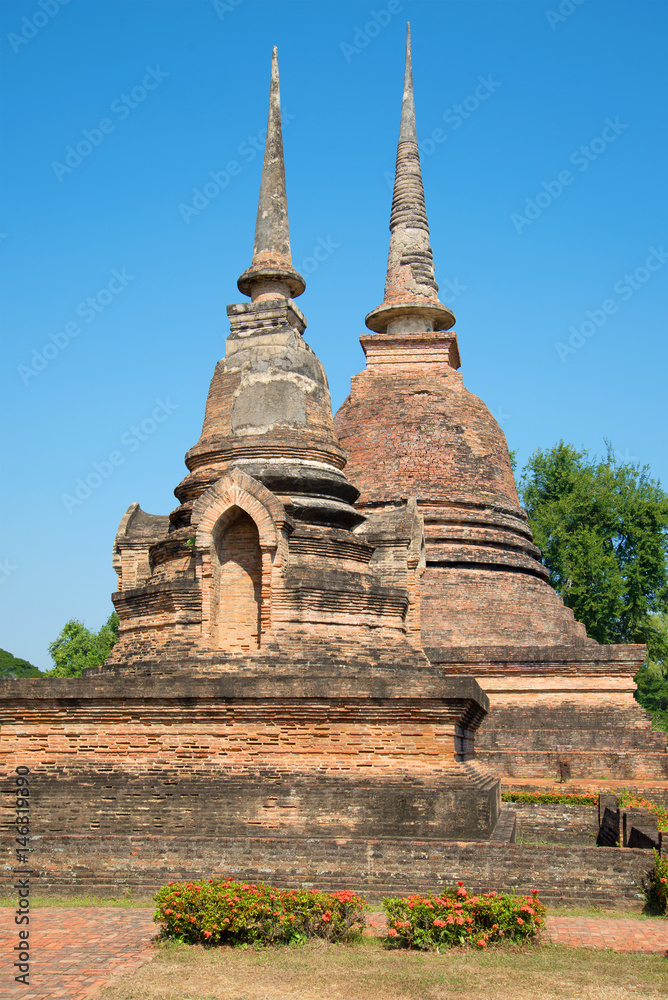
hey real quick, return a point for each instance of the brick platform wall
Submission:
(544, 823)
(72, 865)
(244, 752)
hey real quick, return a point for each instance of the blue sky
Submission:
(544, 138)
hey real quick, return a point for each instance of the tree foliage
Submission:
(12, 666)
(602, 526)
(652, 681)
(77, 648)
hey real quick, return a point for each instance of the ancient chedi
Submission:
(266, 549)
(561, 705)
(267, 710)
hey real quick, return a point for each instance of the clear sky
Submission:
(132, 137)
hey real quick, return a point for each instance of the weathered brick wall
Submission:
(113, 865)
(562, 712)
(545, 823)
(484, 602)
(232, 753)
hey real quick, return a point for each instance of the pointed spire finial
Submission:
(411, 301)
(271, 274)
(408, 131)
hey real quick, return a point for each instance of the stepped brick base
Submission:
(257, 747)
(562, 714)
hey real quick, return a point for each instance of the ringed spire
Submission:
(411, 302)
(271, 274)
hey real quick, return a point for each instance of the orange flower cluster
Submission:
(225, 911)
(456, 918)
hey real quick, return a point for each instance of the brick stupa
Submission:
(267, 710)
(562, 706)
(297, 683)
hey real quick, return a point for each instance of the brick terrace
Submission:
(77, 951)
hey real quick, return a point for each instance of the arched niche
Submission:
(237, 497)
(236, 582)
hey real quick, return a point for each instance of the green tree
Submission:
(12, 666)
(77, 648)
(602, 527)
(652, 681)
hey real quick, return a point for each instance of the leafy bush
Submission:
(229, 912)
(655, 885)
(455, 918)
(556, 798)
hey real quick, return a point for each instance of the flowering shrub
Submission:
(223, 911)
(628, 800)
(655, 885)
(555, 798)
(455, 918)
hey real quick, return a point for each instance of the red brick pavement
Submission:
(78, 950)
(618, 934)
(75, 950)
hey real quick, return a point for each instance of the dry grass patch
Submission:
(369, 971)
(122, 902)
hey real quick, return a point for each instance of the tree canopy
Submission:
(77, 648)
(602, 526)
(12, 666)
(652, 681)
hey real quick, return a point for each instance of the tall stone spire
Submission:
(411, 301)
(271, 274)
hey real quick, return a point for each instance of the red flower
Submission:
(392, 932)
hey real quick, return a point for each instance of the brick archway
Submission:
(238, 531)
(236, 582)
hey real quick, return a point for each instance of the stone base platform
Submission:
(261, 747)
(113, 866)
(562, 715)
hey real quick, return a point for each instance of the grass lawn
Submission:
(369, 971)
